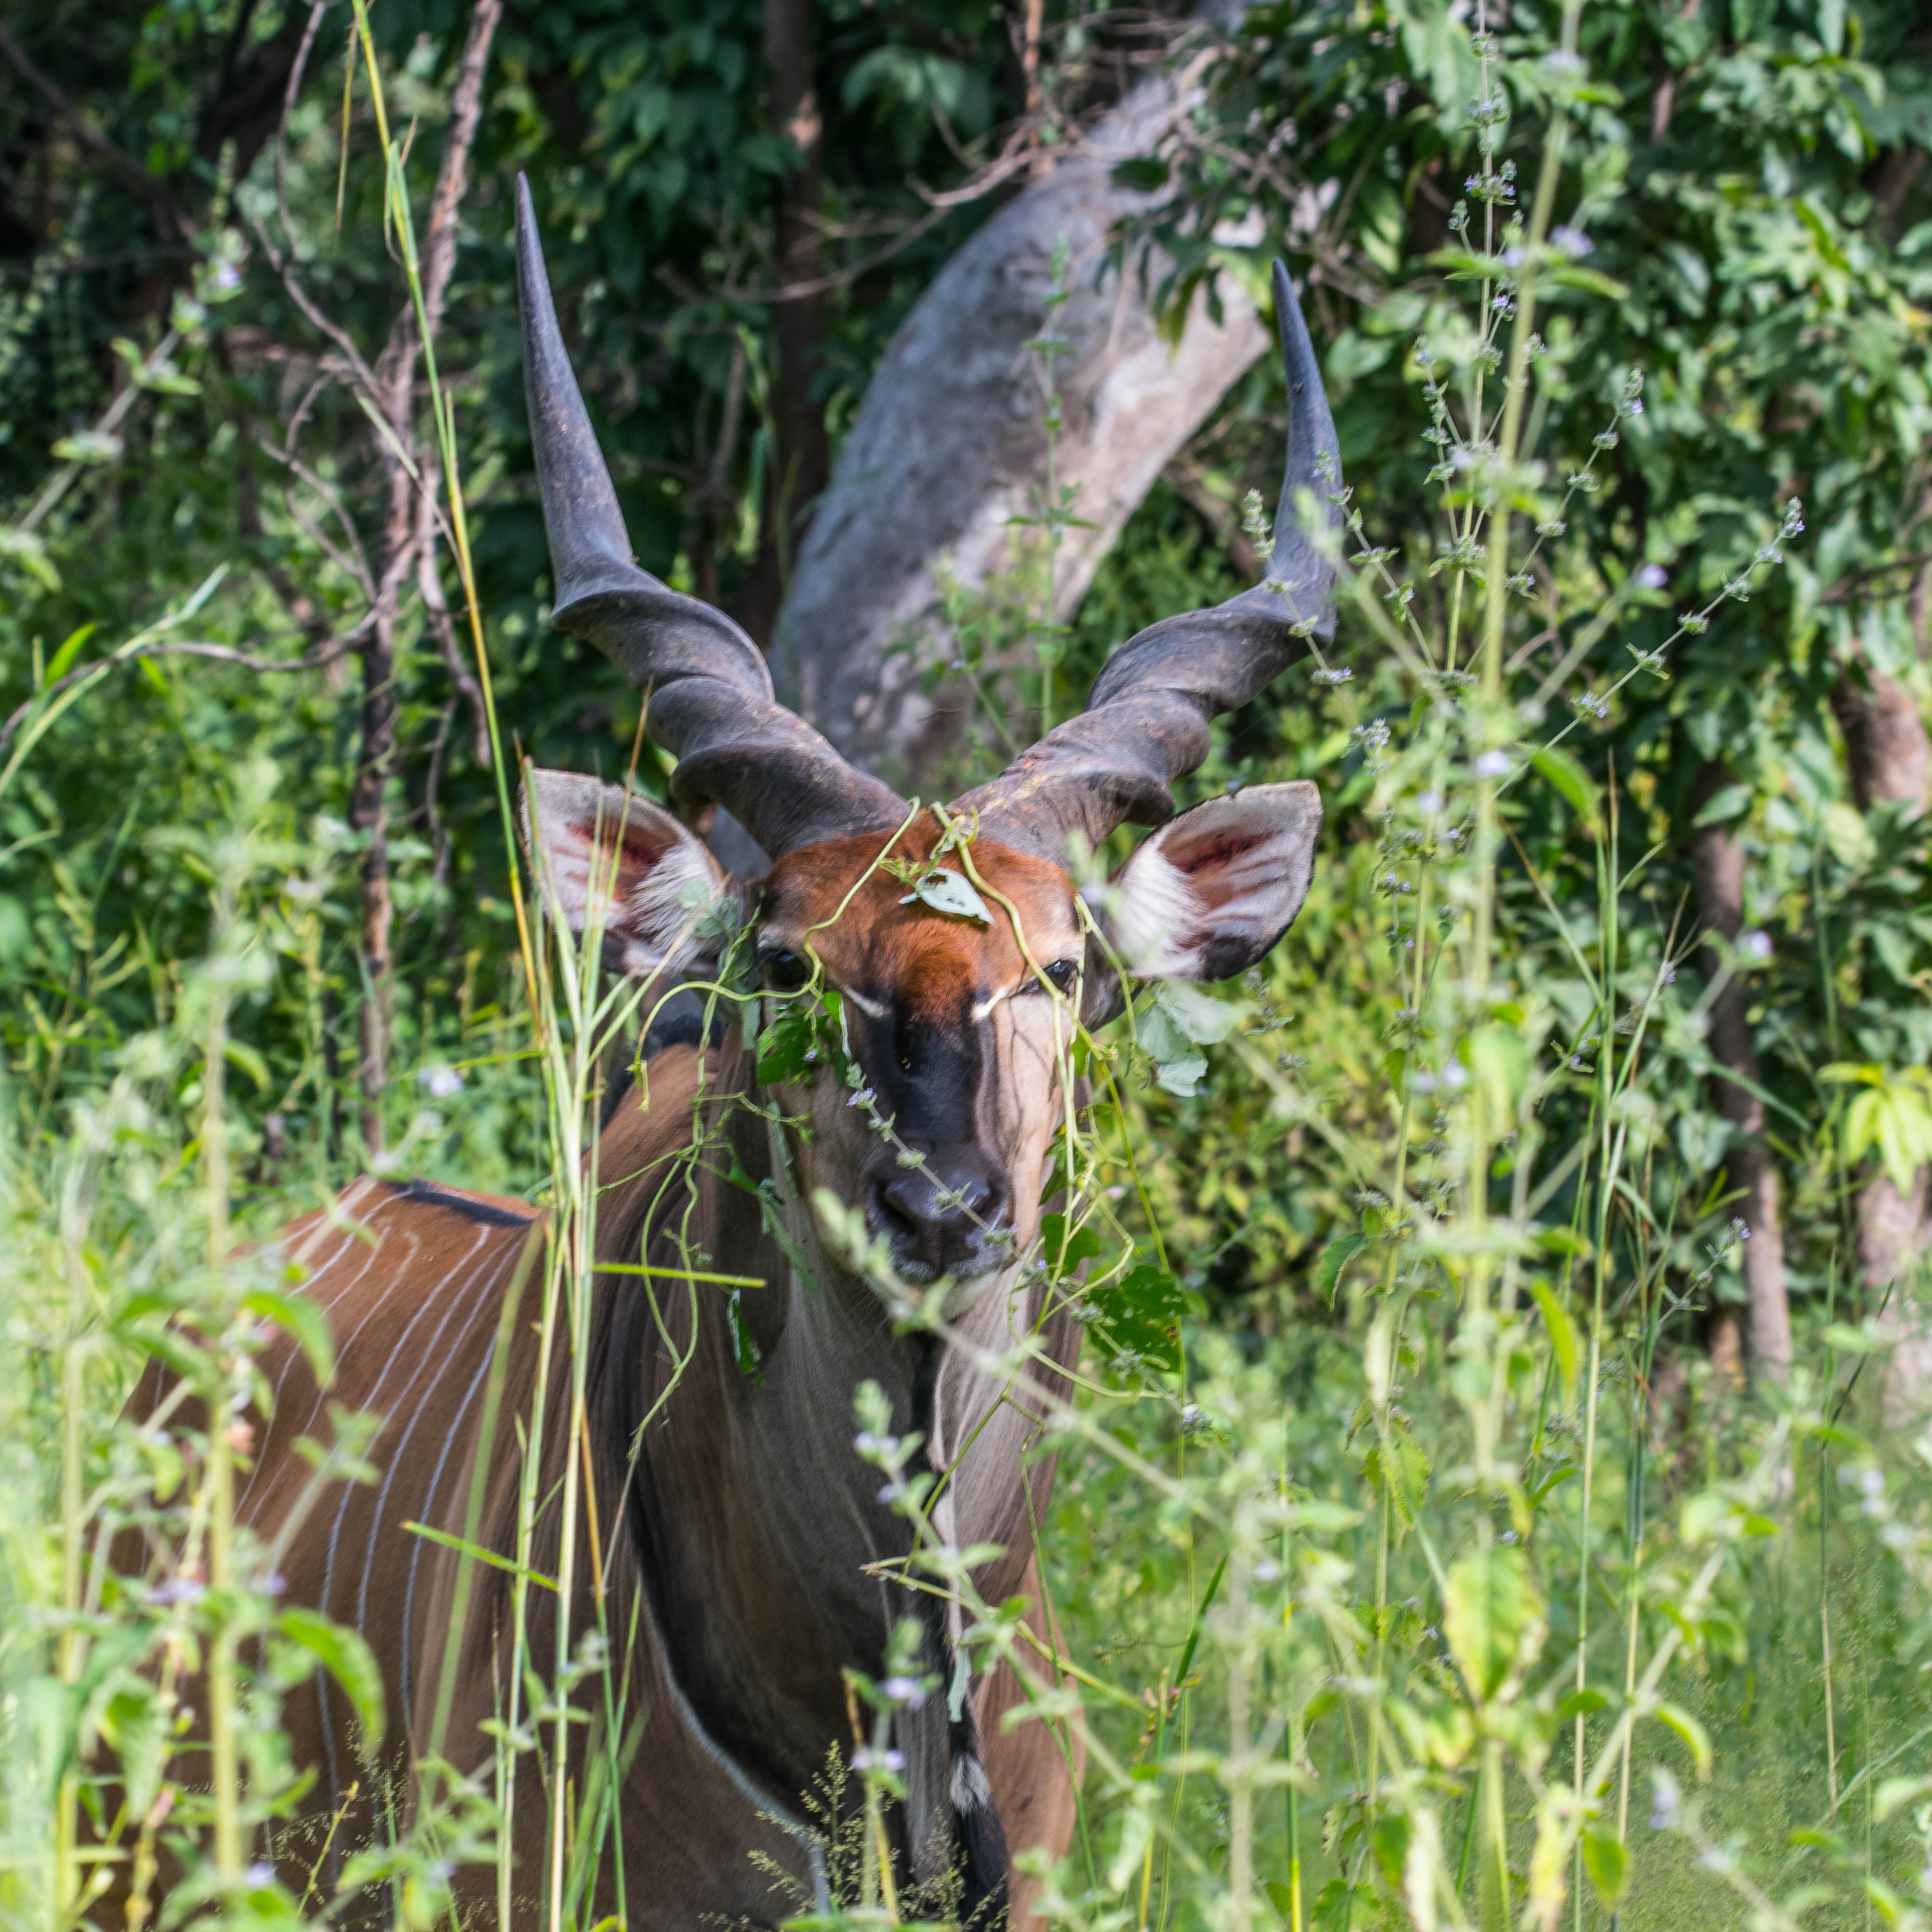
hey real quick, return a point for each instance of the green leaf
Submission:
(478, 1552)
(63, 659)
(1848, 836)
(744, 1342)
(1139, 1312)
(1827, 247)
(1845, 1072)
(1566, 1241)
(1893, 1115)
(1323, 1518)
(302, 1319)
(1894, 1792)
(1161, 1036)
(1693, 1735)
(1493, 1617)
(1568, 776)
(1174, 1025)
(1062, 1252)
(1575, 277)
(1863, 1340)
(1390, 1841)
(1339, 1904)
(1184, 1076)
(31, 554)
(804, 1034)
(1894, 948)
(1581, 1703)
(1403, 1469)
(1136, 1835)
(1608, 1864)
(1334, 1258)
(1198, 1016)
(1562, 1335)
(1731, 802)
(1564, 1472)
(239, 1053)
(88, 445)
(348, 1659)
(1141, 177)
(949, 892)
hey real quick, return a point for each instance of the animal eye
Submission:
(782, 971)
(1063, 973)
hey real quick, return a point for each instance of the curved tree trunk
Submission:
(949, 446)
(1888, 758)
(801, 455)
(1718, 864)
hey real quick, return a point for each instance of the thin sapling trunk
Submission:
(1718, 864)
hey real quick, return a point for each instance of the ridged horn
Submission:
(1146, 723)
(707, 693)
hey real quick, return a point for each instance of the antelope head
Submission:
(953, 967)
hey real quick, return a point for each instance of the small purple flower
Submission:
(259, 1873)
(1653, 576)
(180, 1590)
(907, 1690)
(865, 1761)
(1572, 241)
(1492, 765)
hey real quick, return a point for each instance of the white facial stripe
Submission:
(871, 1009)
(986, 1006)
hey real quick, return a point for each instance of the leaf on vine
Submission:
(949, 892)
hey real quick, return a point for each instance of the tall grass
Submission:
(1474, 1599)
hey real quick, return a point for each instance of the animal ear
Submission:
(1210, 893)
(606, 855)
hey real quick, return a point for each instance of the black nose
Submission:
(945, 1216)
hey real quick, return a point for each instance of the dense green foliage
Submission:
(644, 133)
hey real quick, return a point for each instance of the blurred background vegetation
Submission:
(1751, 176)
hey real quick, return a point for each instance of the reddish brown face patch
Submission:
(924, 963)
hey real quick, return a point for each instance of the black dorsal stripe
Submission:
(467, 1205)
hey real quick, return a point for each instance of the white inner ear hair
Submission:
(627, 866)
(1156, 916)
(668, 901)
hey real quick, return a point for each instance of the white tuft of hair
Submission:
(971, 1791)
(1157, 911)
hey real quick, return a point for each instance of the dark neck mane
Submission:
(736, 1521)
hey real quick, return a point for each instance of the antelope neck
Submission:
(749, 1514)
